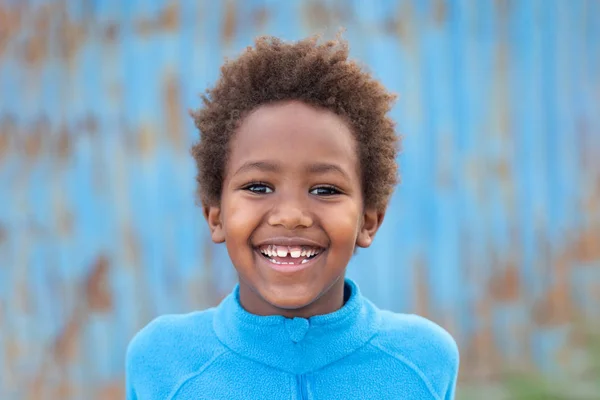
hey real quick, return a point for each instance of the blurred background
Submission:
(494, 232)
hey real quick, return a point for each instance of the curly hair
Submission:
(318, 74)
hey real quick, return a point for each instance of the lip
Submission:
(288, 269)
(290, 241)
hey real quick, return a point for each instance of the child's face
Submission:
(292, 188)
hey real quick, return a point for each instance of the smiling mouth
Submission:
(289, 255)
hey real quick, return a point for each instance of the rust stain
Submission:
(96, 296)
(260, 17)
(7, 131)
(586, 248)
(97, 287)
(503, 7)
(342, 13)
(229, 22)
(88, 124)
(401, 24)
(34, 142)
(318, 15)
(12, 355)
(480, 354)
(421, 287)
(172, 105)
(169, 18)
(503, 170)
(4, 143)
(63, 143)
(146, 140)
(71, 36)
(111, 391)
(36, 46)
(65, 388)
(35, 50)
(440, 12)
(111, 32)
(203, 290)
(10, 25)
(554, 309)
(66, 346)
(167, 21)
(482, 308)
(65, 220)
(505, 286)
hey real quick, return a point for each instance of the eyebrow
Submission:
(268, 166)
(322, 168)
(260, 165)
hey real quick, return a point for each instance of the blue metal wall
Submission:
(494, 232)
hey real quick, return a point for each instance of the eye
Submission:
(325, 191)
(258, 188)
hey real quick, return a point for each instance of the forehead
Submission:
(294, 134)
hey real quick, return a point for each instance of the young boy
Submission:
(297, 161)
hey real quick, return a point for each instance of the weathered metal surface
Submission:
(494, 232)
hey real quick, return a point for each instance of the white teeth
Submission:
(271, 251)
(280, 262)
(282, 251)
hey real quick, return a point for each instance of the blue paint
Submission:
(454, 220)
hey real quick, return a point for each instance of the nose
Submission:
(291, 214)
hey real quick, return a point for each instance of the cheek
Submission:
(343, 225)
(240, 218)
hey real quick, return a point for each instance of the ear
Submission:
(212, 214)
(372, 220)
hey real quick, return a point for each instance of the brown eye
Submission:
(258, 188)
(325, 191)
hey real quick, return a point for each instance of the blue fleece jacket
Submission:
(356, 352)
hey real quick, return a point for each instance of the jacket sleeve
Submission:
(129, 366)
(451, 391)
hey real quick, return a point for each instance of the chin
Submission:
(285, 300)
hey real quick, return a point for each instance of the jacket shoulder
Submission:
(167, 349)
(425, 347)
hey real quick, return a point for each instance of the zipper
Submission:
(301, 384)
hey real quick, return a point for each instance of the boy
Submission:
(296, 161)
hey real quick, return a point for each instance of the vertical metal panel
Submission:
(494, 232)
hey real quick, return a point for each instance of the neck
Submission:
(331, 300)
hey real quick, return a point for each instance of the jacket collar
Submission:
(296, 345)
